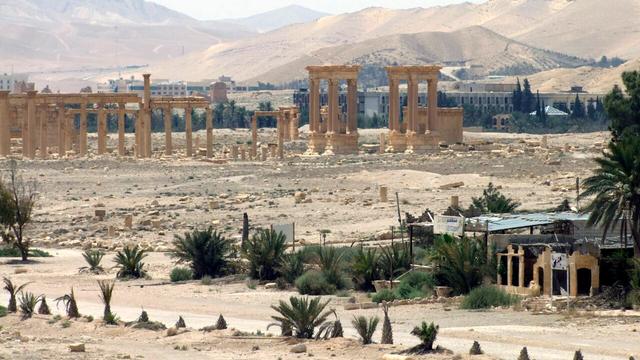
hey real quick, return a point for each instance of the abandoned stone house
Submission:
(548, 254)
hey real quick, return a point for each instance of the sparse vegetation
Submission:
(427, 334)
(6, 251)
(383, 295)
(302, 315)
(494, 202)
(28, 303)
(129, 262)
(387, 331)
(460, 262)
(265, 252)
(475, 349)
(330, 329)
(314, 283)
(206, 251)
(93, 259)
(13, 290)
(331, 262)
(524, 354)
(17, 201)
(106, 294)
(70, 305)
(180, 323)
(221, 324)
(44, 307)
(291, 267)
(366, 269)
(180, 274)
(486, 297)
(365, 328)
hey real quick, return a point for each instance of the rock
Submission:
(155, 203)
(20, 271)
(368, 305)
(298, 349)
(100, 213)
(299, 197)
(172, 331)
(269, 286)
(450, 186)
(351, 306)
(77, 347)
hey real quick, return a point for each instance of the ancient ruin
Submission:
(338, 132)
(423, 127)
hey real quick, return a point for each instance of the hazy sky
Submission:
(221, 9)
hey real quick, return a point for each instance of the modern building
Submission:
(159, 87)
(14, 82)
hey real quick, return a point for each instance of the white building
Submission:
(10, 81)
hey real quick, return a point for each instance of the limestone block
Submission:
(300, 348)
(77, 348)
(128, 221)
(383, 194)
(100, 213)
(450, 186)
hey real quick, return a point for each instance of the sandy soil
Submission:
(169, 196)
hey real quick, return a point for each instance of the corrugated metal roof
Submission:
(507, 222)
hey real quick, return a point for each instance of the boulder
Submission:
(77, 347)
(298, 349)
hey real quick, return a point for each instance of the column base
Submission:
(341, 144)
(420, 143)
(397, 142)
(317, 144)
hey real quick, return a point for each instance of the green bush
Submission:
(460, 262)
(331, 262)
(366, 269)
(206, 251)
(419, 280)
(485, 297)
(3, 311)
(129, 262)
(394, 260)
(10, 251)
(180, 274)
(291, 267)
(383, 295)
(406, 291)
(314, 283)
(264, 251)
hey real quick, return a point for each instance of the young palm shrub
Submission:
(180, 323)
(28, 303)
(44, 307)
(331, 262)
(129, 262)
(13, 290)
(387, 331)
(302, 315)
(106, 294)
(285, 328)
(578, 355)
(70, 304)
(475, 349)
(93, 259)
(366, 269)
(459, 262)
(291, 267)
(365, 328)
(493, 201)
(394, 260)
(207, 252)
(264, 251)
(330, 329)
(427, 334)
(524, 354)
(221, 324)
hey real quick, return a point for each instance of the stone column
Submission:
(314, 105)
(122, 116)
(412, 103)
(146, 114)
(209, 126)
(102, 127)
(352, 106)
(69, 130)
(168, 124)
(43, 143)
(295, 123)
(333, 106)
(521, 268)
(140, 132)
(83, 129)
(280, 130)
(383, 147)
(432, 107)
(62, 124)
(254, 136)
(394, 105)
(188, 131)
(5, 124)
(31, 125)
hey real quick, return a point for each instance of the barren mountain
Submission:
(487, 51)
(586, 28)
(42, 35)
(278, 18)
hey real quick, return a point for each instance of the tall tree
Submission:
(527, 99)
(616, 187)
(578, 108)
(624, 111)
(517, 97)
(18, 200)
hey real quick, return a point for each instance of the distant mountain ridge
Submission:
(274, 19)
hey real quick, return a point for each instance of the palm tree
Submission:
(93, 259)
(493, 201)
(616, 187)
(265, 252)
(13, 290)
(427, 334)
(129, 261)
(106, 293)
(302, 314)
(461, 262)
(365, 327)
(366, 268)
(207, 252)
(70, 304)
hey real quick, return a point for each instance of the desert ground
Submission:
(173, 195)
